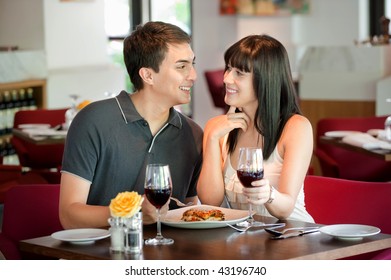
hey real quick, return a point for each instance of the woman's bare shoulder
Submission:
(214, 121)
(297, 121)
(297, 125)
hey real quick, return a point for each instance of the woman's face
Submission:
(239, 90)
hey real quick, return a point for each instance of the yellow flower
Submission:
(126, 204)
(83, 104)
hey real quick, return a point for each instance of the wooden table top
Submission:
(379, 153)
(39, 140)
(217, 244)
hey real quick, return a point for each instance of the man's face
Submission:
(176, 75)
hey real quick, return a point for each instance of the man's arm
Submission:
(74, 211)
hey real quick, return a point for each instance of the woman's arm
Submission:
(295, 146)
(210, 187)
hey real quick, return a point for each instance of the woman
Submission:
(263, 113)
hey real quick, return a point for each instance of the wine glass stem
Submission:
(250, 212)
(159, 227)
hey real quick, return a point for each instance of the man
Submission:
(110, 142)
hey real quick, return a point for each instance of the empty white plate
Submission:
(34, 125)
(349, 231)
(81, 235)
(339, 133)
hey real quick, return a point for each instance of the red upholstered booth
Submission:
(29, 211)
(39, 156)
(340, 201)
(214, 80)
(341, 163)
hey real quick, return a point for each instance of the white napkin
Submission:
(366, 141)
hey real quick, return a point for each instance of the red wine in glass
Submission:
(250, 169)
(157, 189)
(247, 177)
(158, 197)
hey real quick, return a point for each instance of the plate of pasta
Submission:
(203, 217)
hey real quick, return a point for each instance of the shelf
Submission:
(39, 94)
(38, 86)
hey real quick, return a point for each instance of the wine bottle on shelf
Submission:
(23, 99)
(3, 152)
(11, 158)
(3, 119)
(31, 100)
(16, 101)
(9, 112)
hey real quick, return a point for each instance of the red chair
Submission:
(383, 255)
(12, 175)
(340, 163)
(29, 211)
(340, 201)
(40, 157)
(215, 82)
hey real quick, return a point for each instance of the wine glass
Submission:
(157, 189)
(387, 128)
(250, 168)
(72, 111)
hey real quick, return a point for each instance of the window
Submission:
(177, 12)
(117, 19)
(117, 27)
(121, 16)
(377, 9)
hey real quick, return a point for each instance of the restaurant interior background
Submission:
(64, 43)
(61, 47)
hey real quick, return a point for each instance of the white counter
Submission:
(383, 97)
(89, 82)
(343, 73)
(22, 65)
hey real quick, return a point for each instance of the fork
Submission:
(274, 232)
(240, 229)
(265, 226)
(180, 203)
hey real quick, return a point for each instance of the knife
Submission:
(295, 233)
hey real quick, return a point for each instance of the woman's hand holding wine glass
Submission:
(250, 169)
(158, 187)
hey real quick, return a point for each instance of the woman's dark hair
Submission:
(147, 47)
(277, 100)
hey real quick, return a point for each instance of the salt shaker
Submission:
(117, 234)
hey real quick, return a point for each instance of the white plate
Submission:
(378, 133)
(81, 235)
(349, 231)
(375, 132)
(232, 216)
(44, 132)
(33, 125)
(339, 133)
